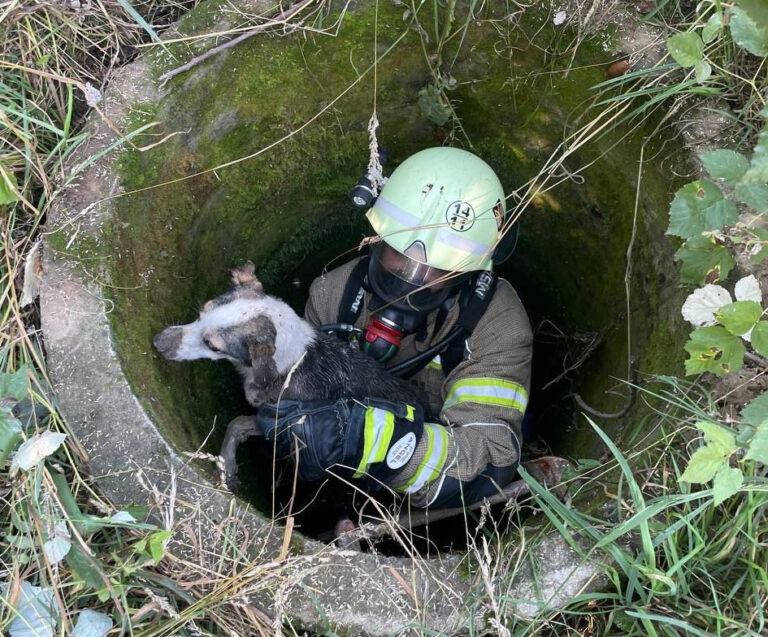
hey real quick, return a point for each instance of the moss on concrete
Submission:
(285, 206)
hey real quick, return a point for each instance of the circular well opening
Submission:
(168, 249)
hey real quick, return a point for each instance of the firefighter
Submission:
(428, 306)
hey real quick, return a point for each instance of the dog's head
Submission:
(243, 325)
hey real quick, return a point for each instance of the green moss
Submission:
(283, 204)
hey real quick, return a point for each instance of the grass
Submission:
(677, 565)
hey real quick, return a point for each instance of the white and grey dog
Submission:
(266, 339)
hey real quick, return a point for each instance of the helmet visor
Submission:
(405, 282)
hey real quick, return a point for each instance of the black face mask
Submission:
(387, 327)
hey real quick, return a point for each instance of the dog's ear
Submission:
(261, 350)
(263, 368)
(245, 275)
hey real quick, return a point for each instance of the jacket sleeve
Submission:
(486, 395)
(313, 307)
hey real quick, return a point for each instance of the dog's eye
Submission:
(210, 345)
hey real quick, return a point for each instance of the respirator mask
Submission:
(405, 291)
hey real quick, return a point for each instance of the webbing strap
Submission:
(474, 302)
(351, 304)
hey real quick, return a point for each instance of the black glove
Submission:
(371, 439)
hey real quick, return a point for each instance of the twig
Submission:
(604, 414)
(227, 45)
(756, 359)
(422, 518)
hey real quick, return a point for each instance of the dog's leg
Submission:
(238, 431)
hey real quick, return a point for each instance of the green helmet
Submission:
(444, 207)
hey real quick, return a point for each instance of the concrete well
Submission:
(264, 142)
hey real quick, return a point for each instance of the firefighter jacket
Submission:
(477, 409)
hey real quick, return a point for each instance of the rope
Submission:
(375, 171)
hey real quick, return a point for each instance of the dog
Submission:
(279, 356)
(266, 341)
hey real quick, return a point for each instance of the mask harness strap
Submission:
(476, 296)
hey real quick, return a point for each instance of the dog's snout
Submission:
(168, 341)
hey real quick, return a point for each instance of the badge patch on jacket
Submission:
(401, 451)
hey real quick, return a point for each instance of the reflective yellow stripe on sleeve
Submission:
(436, 363)
(434, 459)
(377, 434)
(487, 391)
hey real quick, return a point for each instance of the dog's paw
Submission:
(233, 482)
(255, 394)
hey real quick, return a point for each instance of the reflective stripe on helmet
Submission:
(431, 466)
(395, 213)
(379, 426)
(460, 243)
(447, 250)
(488, 391)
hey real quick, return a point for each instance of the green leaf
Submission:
(704, 260)
(10, 436)
(713, 27)
(714, 349)
(757, 244)
(727, 482)
(718, 436)
(14, 386)
(759, 338)
(727, 165)
(704, 464)
(753, 194)
(130, 10)
(758, 166)
(755, 411)
(697, 207)
(757, 9)
(432, 106)
(761, 256)
(687, 49)
(85, 568)
(739, 317)
(8, 186)
(746, 31)
(744, 434)
(702, 71)
(157, 544)
(758, 446)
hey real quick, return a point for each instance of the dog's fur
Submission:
(267, 341)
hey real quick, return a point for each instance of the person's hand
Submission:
(354, 437)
